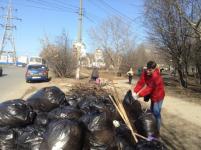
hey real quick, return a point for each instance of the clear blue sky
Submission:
(51, 17)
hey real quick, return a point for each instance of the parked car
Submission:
(36, 73)
(1, 71)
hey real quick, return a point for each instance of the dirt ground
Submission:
(181, 117)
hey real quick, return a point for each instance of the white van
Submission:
(34, 60)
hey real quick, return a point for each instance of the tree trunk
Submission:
(181, 77)
(186, 69)
(199, 72)
(186, 78)
(186, 74)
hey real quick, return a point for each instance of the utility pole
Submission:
(80, 22)
(79, 40)
(8, 34)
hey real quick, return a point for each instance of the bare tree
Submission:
(59, 56)
(114, 36)
(135, 58)
(194, 21)
(169, 31)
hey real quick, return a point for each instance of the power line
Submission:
(95, 4)
(116, 11)
(89, 18)
(41, 4)
(50, 4)
(44, 7)
(106, 11)
(63, 3)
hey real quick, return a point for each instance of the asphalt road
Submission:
(12, 83)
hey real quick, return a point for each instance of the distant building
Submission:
(7, 59)
(93, 60)
(99, 59)
(86, 61)
(79, 49)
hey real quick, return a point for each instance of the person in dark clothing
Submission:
(94, 74)
(130, 75)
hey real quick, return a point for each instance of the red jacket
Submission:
(154, 86)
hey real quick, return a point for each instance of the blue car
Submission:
(36, 73)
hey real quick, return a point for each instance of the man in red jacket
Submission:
(151, 83)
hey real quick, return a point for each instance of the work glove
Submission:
(116, 123)
(135, 95)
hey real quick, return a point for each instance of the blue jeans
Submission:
(156, 110)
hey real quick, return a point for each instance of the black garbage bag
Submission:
(7, 139)
(99, 122)
(113, 113)
(92, 104)
(63, 135)
(85, 120)
(15, 113)
(72, 100)
(124, 138)
(98, 107)
(122, 144)
(41, 119)
(133, 107)
(96, 121)
(150, 145)
(100, 133)
(101, 140)
(105, 105)
(87, 103)
(66, 112)
(47, 99)
(29, 138)
(146, 125)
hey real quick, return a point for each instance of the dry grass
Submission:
(193, 91)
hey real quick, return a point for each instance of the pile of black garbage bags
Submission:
(51, 120)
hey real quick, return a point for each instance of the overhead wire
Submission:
(89, 18)
(50, 4)
(107, 10)
(99, 6)
(129, 19)
(116, 11)
(64, 3)
(41, 6)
